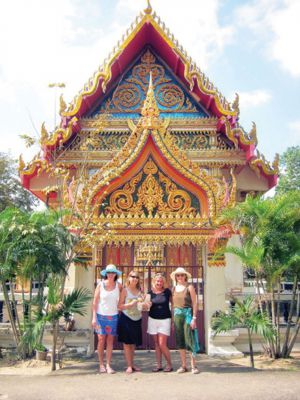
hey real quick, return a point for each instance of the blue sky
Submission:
(248, 47)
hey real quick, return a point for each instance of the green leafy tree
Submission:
(289, 178)
(11, 222)
(11, 191)
(270, 237)
(37, 255)
(245, 314)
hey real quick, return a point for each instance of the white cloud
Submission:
(196, 26)
(254, 98)
(285, 47)
(278, 22)
(294, 132)
(66, 40)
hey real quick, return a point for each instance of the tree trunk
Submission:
(270, 344)
(259, 294)
(293, 339)
(273, 317)
(13, 298)
(23, 304)
(288, 327)
(54, 343)
(12, 321)
(250, 348)
(278, 319)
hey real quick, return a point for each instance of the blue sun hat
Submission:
(110, 268)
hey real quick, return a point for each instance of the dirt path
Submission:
(218, 379)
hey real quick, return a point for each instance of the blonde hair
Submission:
(159, 275)
(138, 285)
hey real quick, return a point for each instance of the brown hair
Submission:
(133, 272)
(186, 278)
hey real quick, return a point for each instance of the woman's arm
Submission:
(122, 300)
(122, 305)
(95, 305)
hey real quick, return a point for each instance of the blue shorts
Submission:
(107, 324)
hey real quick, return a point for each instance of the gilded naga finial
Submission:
(236, 104)
(148, 10)
(252, 134)
(44, 134)
(62, 104)
(21, 163)
(150, 111)
(275, 164)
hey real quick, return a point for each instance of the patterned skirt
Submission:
(107, 324)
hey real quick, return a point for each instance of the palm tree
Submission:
(11, 228)
(72, 303)
(245, 314)
(269, 230)
(38, 254)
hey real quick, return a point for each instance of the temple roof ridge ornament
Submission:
(148, 10)
(150, 111)
(260, 164)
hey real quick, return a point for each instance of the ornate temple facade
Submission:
(147, 156)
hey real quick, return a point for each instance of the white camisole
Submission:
(109, 299)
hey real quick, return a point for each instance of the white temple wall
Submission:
(234, 274)
(82, 277)
(214, 295)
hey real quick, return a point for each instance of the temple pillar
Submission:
(81, 277)
(215, 300)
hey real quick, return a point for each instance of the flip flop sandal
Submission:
(109, 370)
(182, 370)
(168, 369)
(195, 370)
(102, 370)
(157, 369)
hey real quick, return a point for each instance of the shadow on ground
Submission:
(146, 361)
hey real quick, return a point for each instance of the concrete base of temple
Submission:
(221, 345)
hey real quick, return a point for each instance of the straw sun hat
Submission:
(180, 270)
(111, 268)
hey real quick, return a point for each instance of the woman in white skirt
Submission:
(159, 321)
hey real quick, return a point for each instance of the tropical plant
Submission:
(270, 246)
(56, 308)
(245, 314)
(11, 221)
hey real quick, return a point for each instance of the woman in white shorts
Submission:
(159, 321)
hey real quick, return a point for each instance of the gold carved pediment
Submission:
(150, 192)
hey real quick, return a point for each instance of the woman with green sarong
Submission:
(185, 318)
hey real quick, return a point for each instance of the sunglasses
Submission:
(180, 274)
(134, 276)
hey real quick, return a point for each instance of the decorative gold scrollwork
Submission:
(129, 95)
(152, 192)
(126, 96)
(169, 96)
(122, 200)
